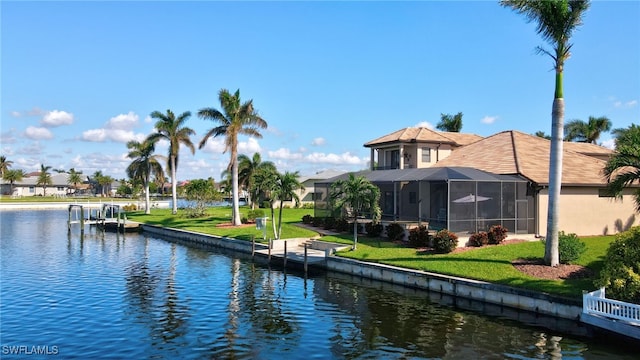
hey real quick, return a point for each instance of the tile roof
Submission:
(422, 134)
(426, 174)
(588, 148)
(514, 152)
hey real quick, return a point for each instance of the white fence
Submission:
(595, 303)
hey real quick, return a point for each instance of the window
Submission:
(426, 155)
(32, 189)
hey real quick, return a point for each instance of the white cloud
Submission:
(148, 119)
(624, 104)
(213, 145)
(284, 154)
(609, 144)
(38, 133)
(94, 135)
(425, 124)
(15, 114)
(249, 147)
(123, 121)
(489, 119)
(319, 141)
(31, 149)
(56, 118)
(7, 137)
(336, 159)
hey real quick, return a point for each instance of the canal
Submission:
(135, 296)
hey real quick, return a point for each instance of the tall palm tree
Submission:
(236, 118)
(171, 128)
(623, 168)
(44, 178)
(74, 178)
(286, 187)
(556, 21)
(588, 132)
(356, 195)
(13, 175)
(626, 136)
(144, 164)
(247, 169)
(4, 165)
(451, 123)
(96, 182)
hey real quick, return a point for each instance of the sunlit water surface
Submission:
(134, 296)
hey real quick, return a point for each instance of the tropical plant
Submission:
(373, 229)
(419, 237)
(451, 123)
(556, 21)
(247, 170)
(200, 192)
(588, 132)
(74, 178)
(236, 118)
(542, 134)
(173, 130)
(444, 241)
(623, 167)
(479, 239)
(621, 272)
(497, 234)
(144, 164)
(286, 188)
(356, 196)
(570, 247)
(44, 178)
(394, 231)
(4, 165)
(13, 175)
(627, 136)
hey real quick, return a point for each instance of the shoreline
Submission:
(58, 205)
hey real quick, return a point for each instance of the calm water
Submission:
(135, 296)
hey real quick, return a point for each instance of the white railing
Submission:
(596, 303)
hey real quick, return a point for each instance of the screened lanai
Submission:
(461, 199)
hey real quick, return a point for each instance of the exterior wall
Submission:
(410, 155)
(584, 213)
(22, 190)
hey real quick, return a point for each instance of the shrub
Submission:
(445, 241)
(395, 232)
(373, 229)
(497, 234)
(244, 220)
(479, 239)
(329, 223)
(317, 221)
(621, 272)
(307, 219)
(342, 225)
(256, 213)
(130, 207)
(419, 237)
(570, 248)
(350, 227)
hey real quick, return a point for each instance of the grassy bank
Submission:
(490, 263)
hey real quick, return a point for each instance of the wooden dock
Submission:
(611, 315)
(108, 218)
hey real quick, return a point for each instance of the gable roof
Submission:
(422, 134)
(588, 148)
(514, 152)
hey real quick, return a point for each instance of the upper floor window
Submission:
(426, 155)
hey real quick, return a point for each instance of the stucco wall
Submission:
(584, 213)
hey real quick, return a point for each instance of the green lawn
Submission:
(70, 199)
(220, 215)
(489, 263)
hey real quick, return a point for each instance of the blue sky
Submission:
(79, 79)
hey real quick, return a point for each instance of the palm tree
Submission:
(74, 178)
(4, 165)
(173, 130)
(587, 132)
(285, 190)
(356, 195)
(236, 118)
(266, 184)
(105, 182)
(626, 136)
(556, 21)
(44, 178)
(144, 164)
(542, 134)
(451, 123)
(12, 175)
(247, 169)
(623, 168)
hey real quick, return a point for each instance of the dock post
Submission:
(69, 221)
(305, 257)
(285, 254)
(253, 246)
(269, 247)
(81, 220)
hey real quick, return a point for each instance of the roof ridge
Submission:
(515, 151)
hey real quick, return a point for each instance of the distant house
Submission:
(473, 183)
(309, 195)
(29, 186)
